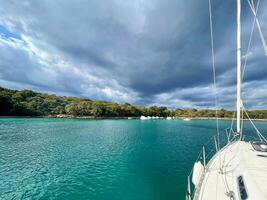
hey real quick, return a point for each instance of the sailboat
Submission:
(187, 119)
(238, 170)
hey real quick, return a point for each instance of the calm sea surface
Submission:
(100, 159)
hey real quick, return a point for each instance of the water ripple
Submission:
(99, 159)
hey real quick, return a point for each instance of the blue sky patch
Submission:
(6, 33)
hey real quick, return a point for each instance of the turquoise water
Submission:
(100, 159)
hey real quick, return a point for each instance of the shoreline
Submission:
(99, 118)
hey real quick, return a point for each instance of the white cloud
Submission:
(147, 52)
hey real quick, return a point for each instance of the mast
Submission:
(238, 93)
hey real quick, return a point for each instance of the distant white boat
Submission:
(143, 117)
(187, 119)
(168, 118)
(148, 117)
(130, 118)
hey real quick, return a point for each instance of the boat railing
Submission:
(214, 145)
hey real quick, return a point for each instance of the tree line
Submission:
(29, 103)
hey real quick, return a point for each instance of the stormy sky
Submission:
(145, 52)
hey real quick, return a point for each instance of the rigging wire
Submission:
(261, 137)
(213, 67)
(255, 12)
(252, 7)
(216, 95)
(214, 74)
(250, 38)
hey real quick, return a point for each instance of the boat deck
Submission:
(239, 159)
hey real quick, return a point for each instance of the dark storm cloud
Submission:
(147, 52)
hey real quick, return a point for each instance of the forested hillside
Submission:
(29, 103)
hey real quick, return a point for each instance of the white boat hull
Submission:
(220, 180)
